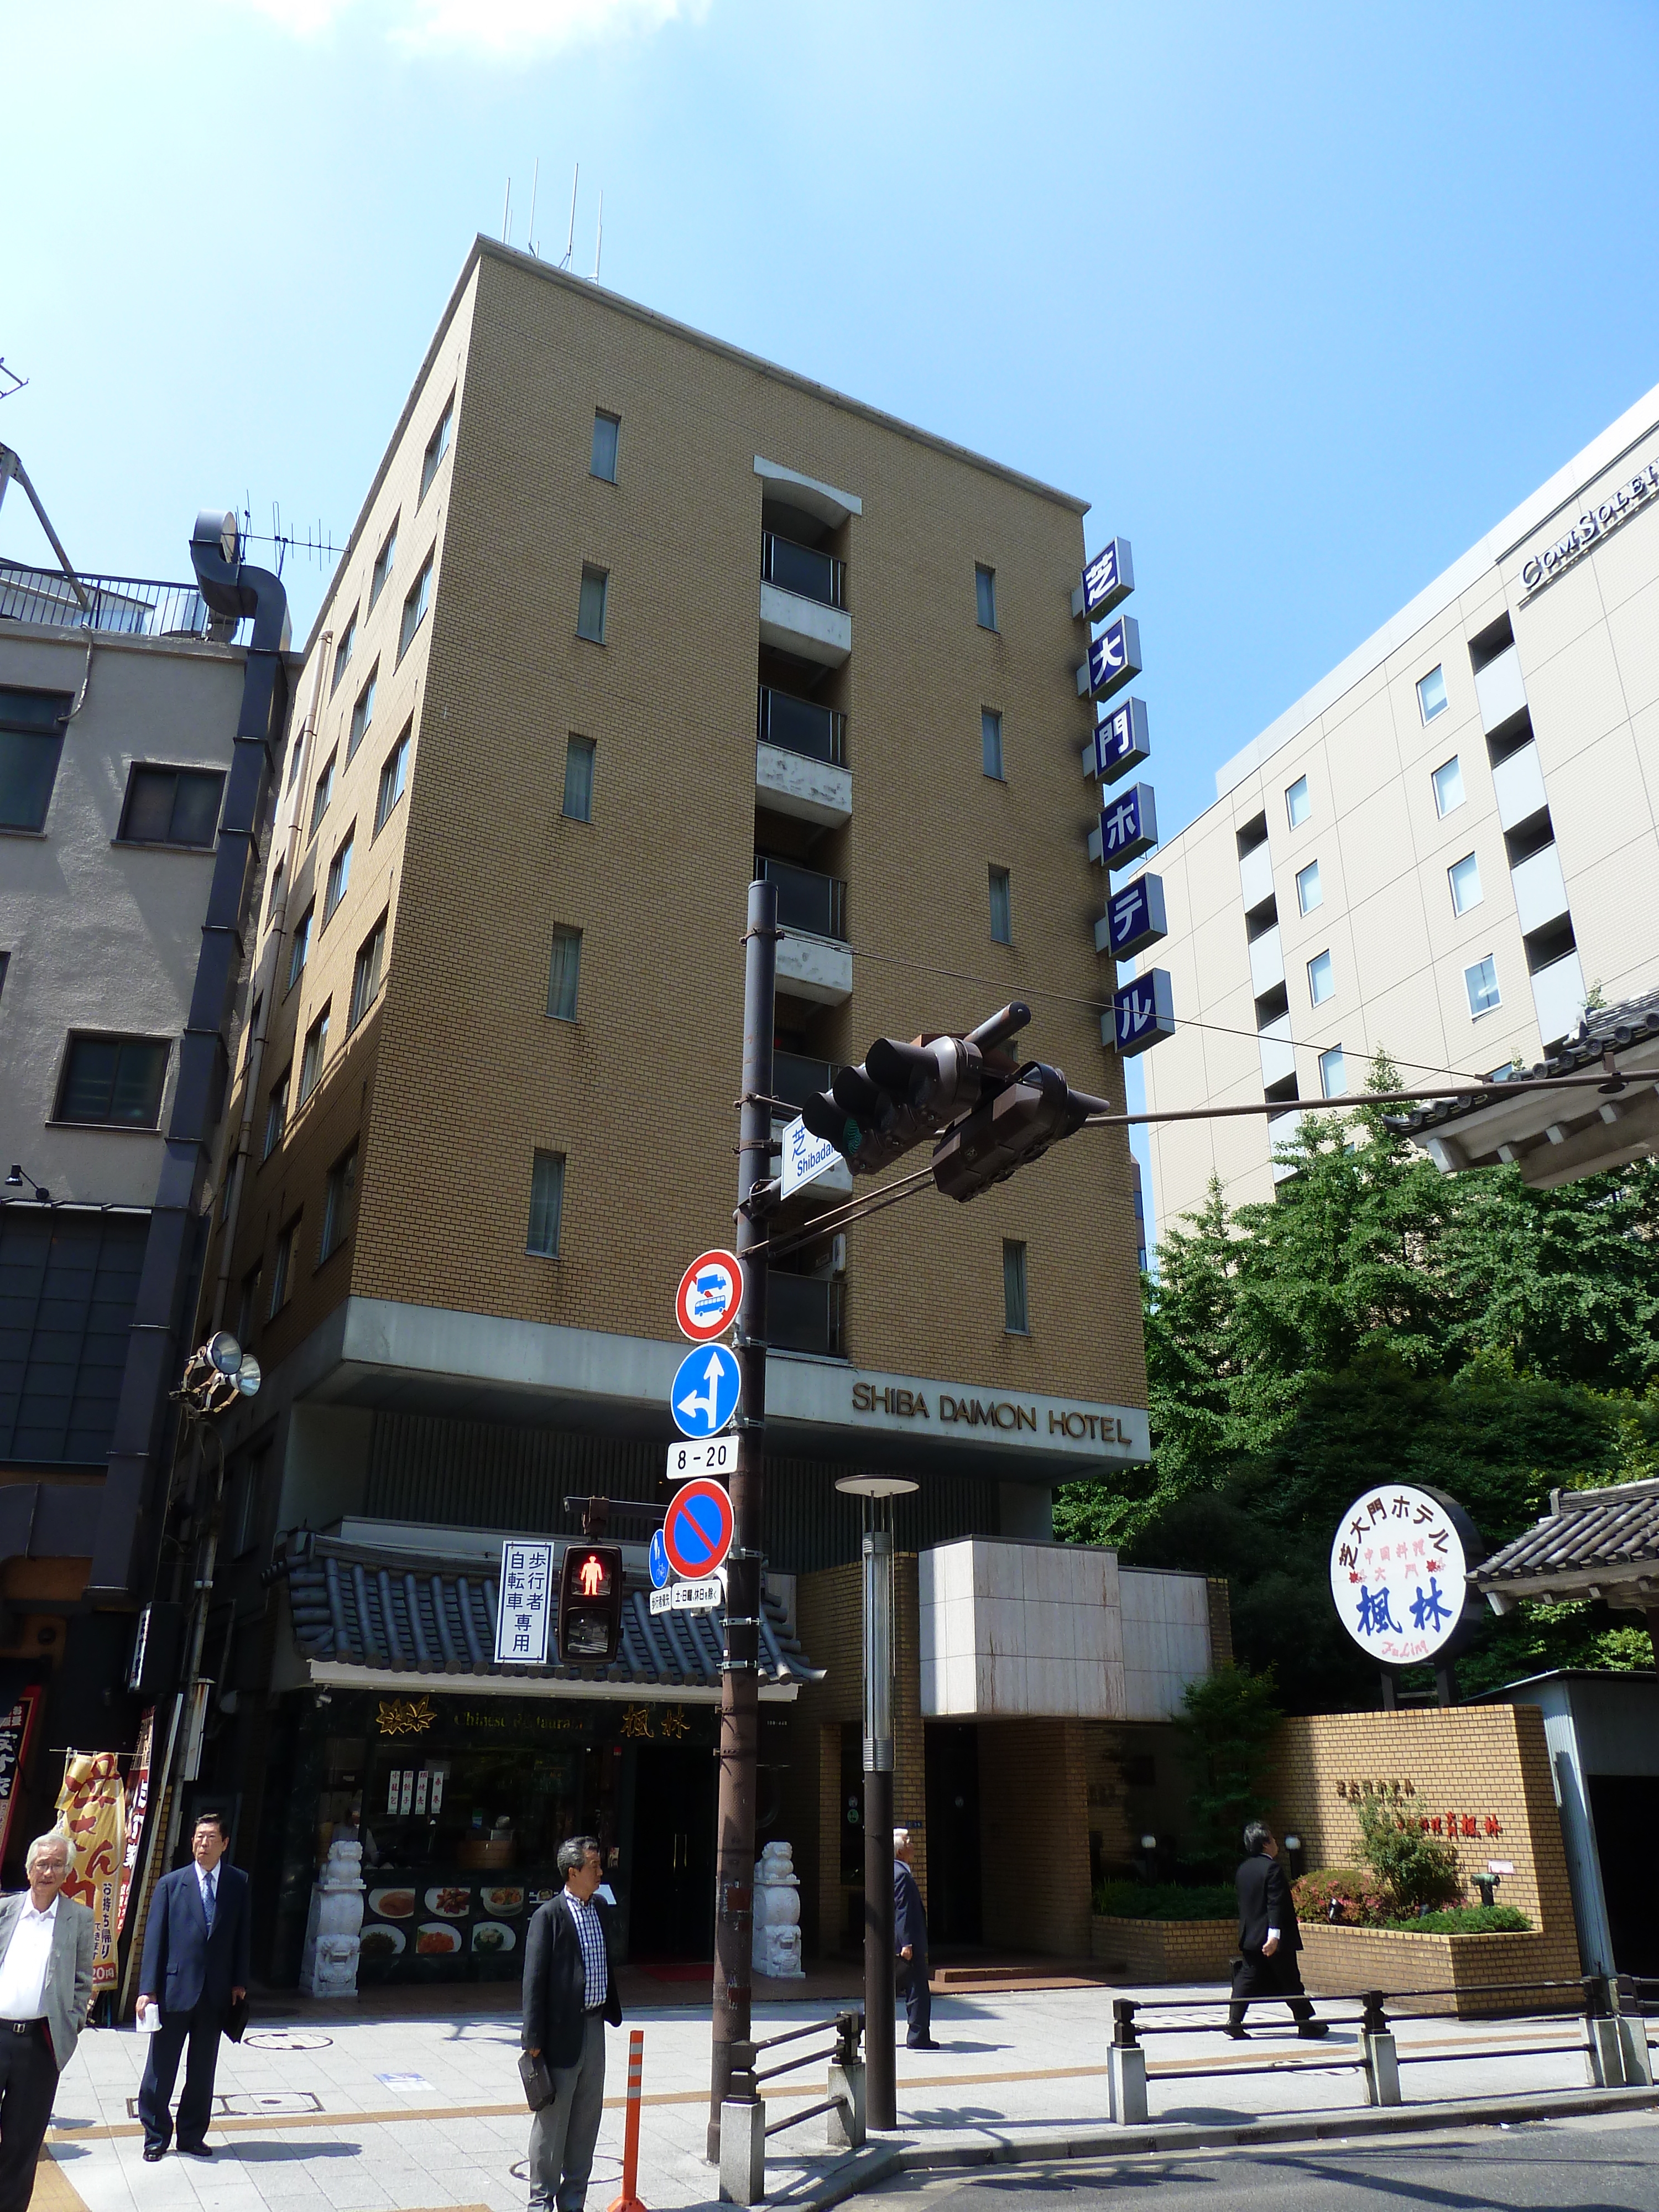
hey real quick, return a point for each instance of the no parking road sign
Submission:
(697, 1533)
(710, 1292)
(706, 1386)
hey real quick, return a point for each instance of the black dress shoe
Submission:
(154, 2152)
(195, 2150)
(1312, 2028)
(1238, 2034)
(929, 2045)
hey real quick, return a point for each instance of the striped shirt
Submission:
(589, 1934)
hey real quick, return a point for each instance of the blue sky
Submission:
(1302, 299)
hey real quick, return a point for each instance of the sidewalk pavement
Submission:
(381, 2110)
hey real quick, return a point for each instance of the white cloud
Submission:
(502, 29)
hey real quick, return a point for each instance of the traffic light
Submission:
(900, 1094)
(590, 1604)
(1017, 1123)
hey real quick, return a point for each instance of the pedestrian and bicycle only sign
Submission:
(689, 1550)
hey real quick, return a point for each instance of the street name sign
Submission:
(689, 1597)
(804, 1156)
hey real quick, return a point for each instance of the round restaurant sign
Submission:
(1398, 1574)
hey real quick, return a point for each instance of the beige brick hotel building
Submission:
(626, 614)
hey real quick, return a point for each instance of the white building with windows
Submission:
(1443, 848)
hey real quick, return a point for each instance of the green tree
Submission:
(1228, 1720)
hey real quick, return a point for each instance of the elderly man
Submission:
(910, 1946)
(45, 1986)
(570, 1993)
(196, 1968)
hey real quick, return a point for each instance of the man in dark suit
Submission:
(195, 1969)
(910, 1946)
(1268, 1938)
(570, 1993)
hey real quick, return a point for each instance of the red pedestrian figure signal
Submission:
(589, 1605)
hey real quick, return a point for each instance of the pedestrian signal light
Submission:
(589, 1605)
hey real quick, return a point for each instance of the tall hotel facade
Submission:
(627, 614)
(1444, 850)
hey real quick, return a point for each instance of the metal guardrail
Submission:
(808, 900)
(801, 725)
(802, 569)
(744, 2129)
(129, 607)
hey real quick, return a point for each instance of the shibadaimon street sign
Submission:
(1399, 1570)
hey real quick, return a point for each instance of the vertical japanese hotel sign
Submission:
(1399, 1573)
(92, 1811)
(1143, 1010)
(521, 1611)
(16, 1735)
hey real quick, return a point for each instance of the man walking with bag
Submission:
(195, 1970)
(1268, 1938)
(45, 1986)
(569, 1994)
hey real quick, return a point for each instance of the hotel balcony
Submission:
(814, 961)
(800, 759)
(802, 601)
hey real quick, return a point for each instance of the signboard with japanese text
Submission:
(1119, 742)
(1142, 1012)
(1133, 919)
(16, 1735)
(1107, 581)
(92, 1812)
(138, 1806)
(1399, 1573)
(804, 1156)
(525, 1592)
(1114, 660)
(1128, 828)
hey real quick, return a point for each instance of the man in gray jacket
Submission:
(45, 1986)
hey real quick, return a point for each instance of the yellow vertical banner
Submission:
(92, 1813)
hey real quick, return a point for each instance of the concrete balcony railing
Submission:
(800, 760)
(803, 606)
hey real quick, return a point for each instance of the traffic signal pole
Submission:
(734, 1865)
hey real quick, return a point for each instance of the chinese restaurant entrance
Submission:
(671, 1880)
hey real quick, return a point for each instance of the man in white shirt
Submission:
(45, 1986)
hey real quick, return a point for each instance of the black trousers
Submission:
(200, 2028)
(28, 2083)
(912, 1978)
(1256, 1977)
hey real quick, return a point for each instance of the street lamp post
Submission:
(878, 1491)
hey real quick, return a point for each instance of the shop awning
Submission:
(367, 1614)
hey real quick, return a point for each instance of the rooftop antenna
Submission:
(535, 179)
(507, 210)
(12, 382)
(598, 243)
(570, 241)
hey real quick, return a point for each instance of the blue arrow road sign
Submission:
(659, 1561)
(706, 1389)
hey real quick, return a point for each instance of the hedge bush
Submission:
(1166, 1900)
(1467, 1920)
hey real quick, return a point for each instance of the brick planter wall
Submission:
(1346, 1961)
(1165, 1950)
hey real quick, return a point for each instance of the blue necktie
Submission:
(207, 1889)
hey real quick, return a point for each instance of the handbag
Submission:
(537, 2080)
(236, 2019)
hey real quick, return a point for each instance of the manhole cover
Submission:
(249, 2104)
(285, 2039)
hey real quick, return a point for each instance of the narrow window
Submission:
(172, 806)
(1298, 804)
(247, 1305)
(1480, 981)
(602, 461)
(1464, 876)
(990, 743)
(281, 1271)
(578, 779)
(343, 652)
(32, 726)
(112, 1082)
(394, 773)
(985, 596)
(1332, 1073)
(339, 877)
(589, 608)
(1448, 787)
(1308, 894)
(1014, 1319)
(253, 1027)
(1002, 917)
(321, 795)
(362, 714)
(302, 949)
(414, 607)
(366, 974)
(310, 1064)
(337, 1204)
(275, 1113)
(546, 1204)
(564, 975)
(1431, 694)
(385, 561)
(437, 446)
(1322, 984)
(275, 894)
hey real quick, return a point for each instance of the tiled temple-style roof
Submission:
(1591, 1543)
(357, 1605)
